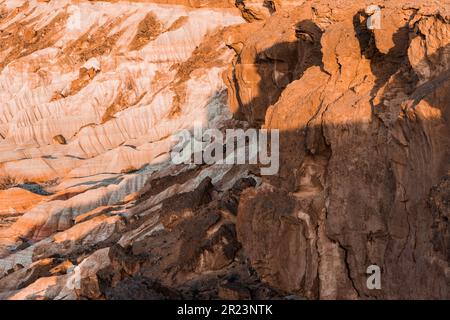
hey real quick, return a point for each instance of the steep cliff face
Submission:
(92, 92)
(364, 120)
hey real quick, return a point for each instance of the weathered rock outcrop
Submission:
(97, 210)
(364, 120)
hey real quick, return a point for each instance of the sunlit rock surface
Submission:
(92, 92)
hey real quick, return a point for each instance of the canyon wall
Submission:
(91, 207)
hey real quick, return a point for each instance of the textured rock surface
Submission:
(365, 136)
(91, 207)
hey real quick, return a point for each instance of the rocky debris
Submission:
(259, 10)
(17, 200)
(45, 288)
(198, 243)
(363, 116)
(26, 276)
(139, 288)
(252, 11)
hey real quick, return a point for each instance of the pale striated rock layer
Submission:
(91, 93)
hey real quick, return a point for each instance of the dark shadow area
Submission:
(385, 65)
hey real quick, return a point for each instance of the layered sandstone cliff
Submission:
(92, 207)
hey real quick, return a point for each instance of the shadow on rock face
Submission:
(360, 150)
(282, 63)
(385, 65)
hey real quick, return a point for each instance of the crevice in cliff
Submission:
(348, 268)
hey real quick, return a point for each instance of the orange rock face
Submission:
(349, 102)
(92, 207)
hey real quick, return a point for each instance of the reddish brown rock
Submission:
(364, 151)
(364, 138)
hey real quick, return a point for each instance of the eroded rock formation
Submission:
(98, 211)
